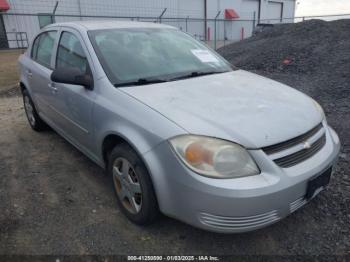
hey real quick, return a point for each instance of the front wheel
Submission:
(133, 185)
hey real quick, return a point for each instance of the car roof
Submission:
(95, 25)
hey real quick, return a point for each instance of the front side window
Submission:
(43, 47)
(134, 54)
(70, 53)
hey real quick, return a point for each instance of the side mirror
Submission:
(73, 76)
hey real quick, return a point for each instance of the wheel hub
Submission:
(29, 110)
(127, 185)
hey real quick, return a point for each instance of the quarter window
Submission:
(43, 47)
(70, 53)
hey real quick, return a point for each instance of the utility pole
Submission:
(205, 21)
(79, 9)
(53, 19)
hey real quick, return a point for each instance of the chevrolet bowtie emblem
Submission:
(306, 145)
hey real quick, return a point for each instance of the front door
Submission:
(73, 103)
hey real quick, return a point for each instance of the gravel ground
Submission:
(53, 200)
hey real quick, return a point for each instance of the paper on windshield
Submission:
(204, 56)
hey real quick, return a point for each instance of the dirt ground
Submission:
(8, 68)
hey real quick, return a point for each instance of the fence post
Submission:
(254, 20)
(53, 20)
(215, 29)
(187, 22)
(161, 15)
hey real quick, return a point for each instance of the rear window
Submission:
(43, 48)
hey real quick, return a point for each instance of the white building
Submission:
(23, 18)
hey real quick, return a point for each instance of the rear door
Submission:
(73, 104)
(39, 70)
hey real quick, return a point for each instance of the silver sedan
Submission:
(179, 130)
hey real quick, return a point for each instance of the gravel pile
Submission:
(310, 47)
(313, 57)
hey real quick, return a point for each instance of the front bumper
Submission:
(239, 204)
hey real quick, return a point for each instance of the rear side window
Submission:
(70, 53)
(43, 48)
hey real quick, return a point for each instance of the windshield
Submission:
(144, 55)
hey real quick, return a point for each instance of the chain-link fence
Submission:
(20, 25)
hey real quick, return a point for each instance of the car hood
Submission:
(239, 106)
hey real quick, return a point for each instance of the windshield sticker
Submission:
(204, 56)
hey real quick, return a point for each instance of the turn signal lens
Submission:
(197, 154)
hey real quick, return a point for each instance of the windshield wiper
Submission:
(196, 74)
(141, 81)
(147, 81)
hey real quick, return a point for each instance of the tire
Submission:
(35, 122)
(133, 185)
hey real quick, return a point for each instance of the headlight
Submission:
(213, 157)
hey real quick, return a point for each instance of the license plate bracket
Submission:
(317, 183)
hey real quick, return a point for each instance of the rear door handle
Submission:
(29, 73)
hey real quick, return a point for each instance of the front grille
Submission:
(301, 155)
(292, 142)
(293, 151)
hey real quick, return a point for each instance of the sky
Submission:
(322, 7)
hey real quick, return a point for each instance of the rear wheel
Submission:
(132, 185)
(34, 119)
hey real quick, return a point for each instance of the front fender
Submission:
(119, 114)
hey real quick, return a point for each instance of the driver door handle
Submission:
(53, 87)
